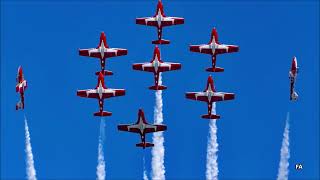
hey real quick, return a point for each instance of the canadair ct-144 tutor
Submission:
(20, 87)
(156, 66)
(214, 48)
(102, 52)
(160, 20)
(101, 92)
(142, 127)
(210, 95)
(293, 76)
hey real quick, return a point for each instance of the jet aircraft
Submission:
(156, 66)
(293, 76)
(214, 47)
(103, 51)
(210, 95)
(142, 127)
(20, 87)
(160, 20)
(101, 92)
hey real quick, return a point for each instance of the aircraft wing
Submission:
(198, 96)
(202, 48)
(202, 96)
(147, 21)
(143, 67)
(166, 66)
(220, 49)
(129, 128)
(109, 52)
(20, 87)
(134, 128)
(222, 96)
(155, 128)
(107, 93)
(169, 21)
(166, 21)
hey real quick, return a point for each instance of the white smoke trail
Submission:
(158, 169)
(145, 177)
(101, 172)
(31, 172)
(212, 149)
(283, 171)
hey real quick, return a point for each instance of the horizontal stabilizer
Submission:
(19, 105)
(216, 69)
(103, 113)
(161, 41)
(144, 145)
(159, 87)
(210, 116)
(105, 72)
(294, 96)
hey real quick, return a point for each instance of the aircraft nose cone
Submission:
(156, 49)
(20, 69)
(100, 75)
(102, 34)
(210, 80)
(140, 111)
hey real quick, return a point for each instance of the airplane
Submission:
(20, 87)
(214, 48)
(210, 95)
(142, 127)
(103, 52)
(156, 66)
(160, 20)
(292, 76)
(101, 92)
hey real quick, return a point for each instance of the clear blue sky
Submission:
(44, 38)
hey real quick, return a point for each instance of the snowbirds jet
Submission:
(214, 48)
(101, 92)
(159, 20)
(210, 95)
(156, 66)
(292, 76)
(102, 52)
(142, 127)
(20, 87)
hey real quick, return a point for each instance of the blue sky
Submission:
(44, 38)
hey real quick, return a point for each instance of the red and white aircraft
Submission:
(214, 48)
(20, 87)
(142, 127)
(159, 20)
(292, 76)
(156, 66)
(102, 52)
(101, 92)
(210, 95)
